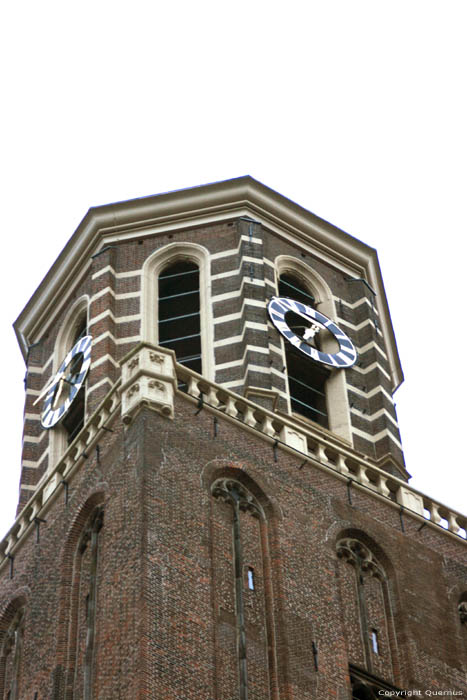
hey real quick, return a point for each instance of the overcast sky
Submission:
(355, 110)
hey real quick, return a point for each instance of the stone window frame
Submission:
(58, 436)
(338, 408)
(151, 270)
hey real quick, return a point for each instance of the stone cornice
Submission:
(197, 206)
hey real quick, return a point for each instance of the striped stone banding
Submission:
(277, 309)
(51, 416)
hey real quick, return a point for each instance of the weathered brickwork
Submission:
(180, 553)
(166, 616)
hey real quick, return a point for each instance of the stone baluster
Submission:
(267, 427)
(453, 525)
(212, 398)
(322, 456)
(435, 517)
(23, 523)
(230, 407)
(193, 388)
(92, 430)
(103, 416)
(383, 486)
(10, 543)
(342, 465)
(362, 476)
(249, 416)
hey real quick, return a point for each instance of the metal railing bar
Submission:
(315, 410)
(175, 318)
(175, 340)
(182, 294)
(307, 386)
(283, 282)
(178, 274)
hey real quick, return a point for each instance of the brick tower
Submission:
(214, 503)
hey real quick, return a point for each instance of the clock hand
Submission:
(49, 386)
(310, 320)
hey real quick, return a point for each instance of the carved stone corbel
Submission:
(148, 379)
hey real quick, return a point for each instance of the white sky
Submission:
(355, 110)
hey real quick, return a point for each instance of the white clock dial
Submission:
(278, 307)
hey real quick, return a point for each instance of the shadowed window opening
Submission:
(366, 686)
(179, 313)
(306, 378)
(74, 418)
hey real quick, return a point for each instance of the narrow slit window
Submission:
(250, 575)
(374, 641)
(179, 312)
(306, 378)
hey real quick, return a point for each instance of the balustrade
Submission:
(316, 446)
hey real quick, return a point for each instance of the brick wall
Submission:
(166, 621)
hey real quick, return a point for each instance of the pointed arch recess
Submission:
(367, 604)
(12, 623)
(70, 671)
(245, 587)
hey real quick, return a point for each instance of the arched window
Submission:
(176, 304)
(74, 327)
(75, 673)
(307, 379)
(11, 653)
(240, 525)
(179, 318)
(366, 611)
(74, 418)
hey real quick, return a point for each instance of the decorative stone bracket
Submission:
(148, 379)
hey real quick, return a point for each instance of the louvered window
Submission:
(179, 312)
(307, 379)
(74, 418)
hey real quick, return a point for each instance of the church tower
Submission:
(214, 503)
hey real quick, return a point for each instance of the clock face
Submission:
(67, 382)
(279, 307)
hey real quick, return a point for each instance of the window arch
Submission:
(307, 380)
(73, 328)
(315, 392)
(74, 674)
(176, 304)
(366, 609)
(241, 526)
(11, 635)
